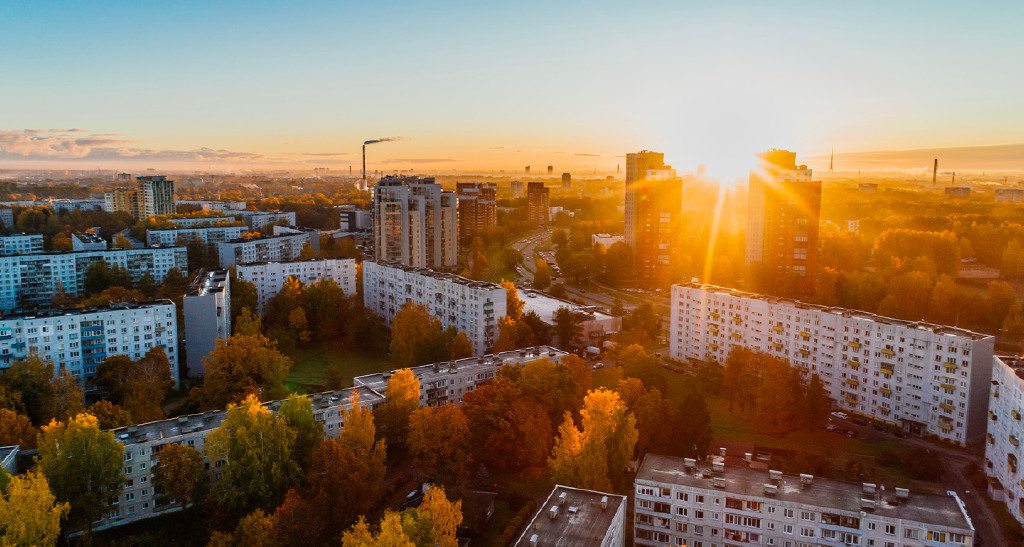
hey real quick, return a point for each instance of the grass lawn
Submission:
(312, 360)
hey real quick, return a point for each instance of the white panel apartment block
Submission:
(266, 249)
(207, 307)
(1003, 456)
(259, 219)
(80, 339)
(21, 244)
(269, 277)
(472, 307)
(683, 502)
(28, 281)
(930, 379)
(216, 234)
(193, 222)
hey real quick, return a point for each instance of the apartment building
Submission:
(207, 305)
(21, 244)
(597, 325)
(209, 205)
(201, 221)
(415, 222)
(538, 199)
(573, 516)
(143, 443)
(206, 235)
(683, 502)
(446, 383)
(258, 219)
(657, 213)
(958, 191)
(517, 189)
(472, 307)
(928, 379)
(782, 222)
(269, 277)
(79, 339)
(637, 166)
(275, 248)
(28, 281)
(478, 203)
(1012, 195)
(354, 220)
(1003, 455)
(88, 242)
(152, 196)
(7, 216)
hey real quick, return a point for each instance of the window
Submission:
(698, 514)
(680, 527)
(787, 529)
(645, 491)
(682, 497)
(788, 513)
(890, 530)
(806, 515)
(910, 533)
(807, 532)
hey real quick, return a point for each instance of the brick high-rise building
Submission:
(636, 171)
(477, 207)
(537, 203)
(658, 203)
(566, 181)
(782, 223)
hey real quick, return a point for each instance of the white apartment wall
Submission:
(206, 235)
(21, 244)
(834, 343)
(264, 249)
(269, 277)
(1003, 456)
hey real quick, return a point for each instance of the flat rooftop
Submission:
(427, 272)
(581, 521)
(854, 314)
(546, 306)
(826, 494)
(91, 309)
(306, 261)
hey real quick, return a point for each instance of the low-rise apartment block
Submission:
(143, 443)
(1003, 456)
(683, 502)
(1012, 195)
(208, 205)
(597, 325)
(206, 235)
(201, 221)
(207, 305)
(928, 379)
(472, 307)
(79, 339)
(29, 281)
(445, 383)
(269, 277)
(259, 219)
(21, 244)
(86, 241)
(275, 248)
(573, 516)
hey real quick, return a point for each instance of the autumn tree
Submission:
(390, 535)
(16, 429)
(82, 465)
(542, 277)
(416, 337)
(68, 399)
(510, 258)
(446, 516)
(439, 442)
(478, 267)
(690, 425)
(297, 412)
(594, 456)
(258, 444)
(113, 295)
(29, 512)
(180, 474)
(513, 305)
(257, 529)
(513, 334)
(908, 296)
(816, 404)
(140, 387)
(32, 379)
(307, 252)
(553, 385)
(508, 429)
(248, 323)
(650, 411)
(568, 327)
(403, 397)
(110, 416)
(241, 364)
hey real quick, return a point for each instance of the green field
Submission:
(311, 362)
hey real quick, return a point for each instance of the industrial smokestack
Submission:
(364, 167)
(935, 172)
(373, 141)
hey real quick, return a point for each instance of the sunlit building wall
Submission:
(537, 203)
(658, 201)
(415, 222)
(1003, 456)
(637, 165)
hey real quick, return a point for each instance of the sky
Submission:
(489, 85)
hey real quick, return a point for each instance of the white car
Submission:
(598, 365)
(840, 415)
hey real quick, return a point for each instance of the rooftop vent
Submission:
(867, 505)
(718, 467)
(771, 489)
(551, 354)
(604, 502)
(533, 540)
(718, 482)
(902, 494)
(182, 419)
(869, 488)
(721, 451)
(573, 509)
(806, 480)
(689, 463)
(774, 475)
(748, 456)
(522, 353)
(553, 512)
(561, 499)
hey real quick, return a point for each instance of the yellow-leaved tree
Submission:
(403, 397)
(29, 513)
(595, 456)
(390, 535)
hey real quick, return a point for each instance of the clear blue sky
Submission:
(703, 82)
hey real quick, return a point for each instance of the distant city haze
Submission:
(230, 85)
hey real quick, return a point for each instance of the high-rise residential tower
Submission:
(782, 223)
(517, 188)
(537, 203)
(477, 207)
(658, 206)
(415, 222)
(636, 171)
(566, 181)
(151, 196)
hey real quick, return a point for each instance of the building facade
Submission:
(478, 204)
(79, 339)
(1003, 456)
(258, 219)
(207, 307)
(269, 277)
(573, 516)
(415, 223)
(566, 182)
(29, 281)
(517, 189)
(472, 307)
(216, 234)
(207, 205)
(538, 199)
(637, 166)
(446, 383)
(87, 241)
(282, 247)
(597, 325)
(355, 220)
(958, 191)
(682, 502)
(1012, 195)
(658, 210)
(21, 244)
(152, 196)
(200, 221)
(928, 379)
(782, 223)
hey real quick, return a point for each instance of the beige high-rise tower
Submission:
(636, 171)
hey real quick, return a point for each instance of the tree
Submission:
(248, 323)
(243, 297)
(257, 529)
(16, 429)
(559, 238)
(553, 385)
(446, 516)
(110, 416)
(29, 512)
(403, 397)
(67, 395)
(297, 412)
(61, 298)
(568, 327)
(239, 365)
(595, 456)
(82, 465)
(513, 305)
(945, 301)
(391, 533)
(1013, 325)
(478, 266)
(1000, 298)
(558, 291)
(619, 263)
(646, 368)
(510, 258)
(691, 428)
(31, 379)
(642, 325)
(307, 252)
(180, 474)
(122, 242)
(175, 284)
(138, 386)
(908, 296)
(335, 378)
(439, 442)
(147, 285)
(258, 444)
(542, 277)
(513, 335)
(461, 347)
(299, 325)
(298, 521)
(650, 411)
(816, 404)
(415, 337)
(617, 309)
(508, 429)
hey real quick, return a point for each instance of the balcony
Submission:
(947, 386)
(777, 328)
(805, 352)
(737, 320)
(852, 382)
(1015, 414)
(714, 314)
(885, 411)
(855, 345)
(737, 335)
(950, 367)
(886, 368)
(852, 399)
(945, 406)
(945, 426)
(777, 345)
(714, 347)
(991, 439)
(853, 364)
(885, 390)
(889, 352)
(805, 335)
(713, 329)
(1014, 441)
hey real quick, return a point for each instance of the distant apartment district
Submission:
(930, 380)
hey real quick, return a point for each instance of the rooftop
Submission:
(581, 520)
(183, 425)
(7, 451)
(308, 260)
(91, 309)
(89, 238)
(546, 305)
(826, 494)
(427, 272)
(207, 281)
(855, 314)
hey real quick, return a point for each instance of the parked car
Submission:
(598, 365)
(899, 433)
(851, 434)
(840, 415)
(859, 421)
(879, 427)
(830, 427)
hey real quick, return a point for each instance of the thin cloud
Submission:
(495, 148)
(594, 155)
(325, 154)
(40, 143)
(419, 160)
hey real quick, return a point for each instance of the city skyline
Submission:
(305, 87)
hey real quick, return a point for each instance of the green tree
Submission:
(180, 475)
(82, 465)
(568, 327)
(1000, 299)
(307, 252)
(553, 385)
(147, 285)
(297, 412)
(510, 258)
(110, 416)
(31, 379)
(29, 512)
(175, 284)
(258, 444)
(816, 404)
(691, 428)
(559, 238)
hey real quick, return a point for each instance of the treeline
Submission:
(773, 392)
(57, 227)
